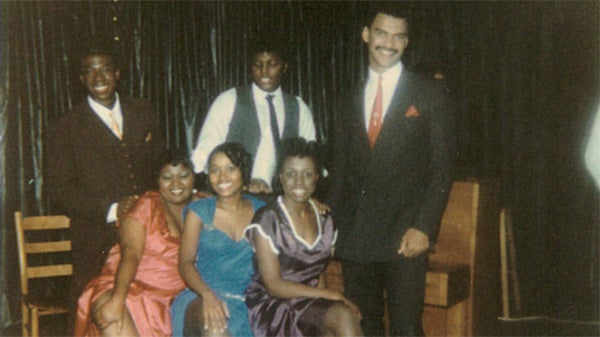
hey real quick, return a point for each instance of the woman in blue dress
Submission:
(215, 259)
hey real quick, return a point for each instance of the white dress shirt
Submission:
(216, 127)
(388, 84)
(104, 114)
(592, 153)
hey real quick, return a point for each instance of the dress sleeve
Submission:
(264, 224)
(203, 208)
(331, 226)
(143, 211)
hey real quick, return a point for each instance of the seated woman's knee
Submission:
(100, 301)
(339, 313)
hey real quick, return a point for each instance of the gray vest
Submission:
(244, 127)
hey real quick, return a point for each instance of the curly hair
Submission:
(298, 147)
(238, 156)
(98, 46)
(173, 157)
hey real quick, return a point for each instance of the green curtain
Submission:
(524, 76)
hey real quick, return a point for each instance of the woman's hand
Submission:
(352, 306)
(215, 312)
(258, 186)
(112, 311)
(337, 296)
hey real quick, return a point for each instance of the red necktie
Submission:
(375, 120)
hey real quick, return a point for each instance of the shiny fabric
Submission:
(299, 262)
(524, 74)
(224, 264)
(156, 282)
(375, 120)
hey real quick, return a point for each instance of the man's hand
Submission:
(126, 204)
(259, 186)
(414, 242)
(112, 311)
(321, 207)
(201, 195)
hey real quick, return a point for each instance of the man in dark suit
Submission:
(392, 173)
(97, 156)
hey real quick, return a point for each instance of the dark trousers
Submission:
(402, 279)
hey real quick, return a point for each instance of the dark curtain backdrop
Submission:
(525, 76)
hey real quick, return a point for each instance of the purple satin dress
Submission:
(299, 262)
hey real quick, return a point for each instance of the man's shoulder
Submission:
(227, 95)
(424, 81)
(135, 103)
(72, 116)
(295, 98)
(349, 94)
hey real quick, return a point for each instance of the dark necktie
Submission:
(274, 129)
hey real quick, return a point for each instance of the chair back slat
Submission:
(50, 271)
(46, 222)
(42, 241)
(40, 223)
(48, 247)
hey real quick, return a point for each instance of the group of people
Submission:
(154, 257)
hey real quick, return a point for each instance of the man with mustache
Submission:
(394, 148)
(258, 116)
(98, 157)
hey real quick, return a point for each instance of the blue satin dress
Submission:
(224, 264)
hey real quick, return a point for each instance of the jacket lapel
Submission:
(358, 122)
(126, 113)
(91, 124)
(399, 103)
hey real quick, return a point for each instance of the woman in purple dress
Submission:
(293, 245)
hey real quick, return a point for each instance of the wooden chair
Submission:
(32, 308)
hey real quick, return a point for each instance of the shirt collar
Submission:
(258, 93)
(391, 73)
(97, 107)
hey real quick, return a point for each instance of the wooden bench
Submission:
(462, 291)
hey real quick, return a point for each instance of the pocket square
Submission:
(148, 137)
(411, 112)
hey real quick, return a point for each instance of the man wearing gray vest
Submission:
(258, 116)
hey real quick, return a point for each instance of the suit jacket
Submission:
(88, 169)
(404, 181)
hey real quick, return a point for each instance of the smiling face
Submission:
(176, 183)
(299, 178)
(267, 69)
(387, 37)
(225, 178)
(100, 75)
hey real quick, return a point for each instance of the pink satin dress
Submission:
(156, 282)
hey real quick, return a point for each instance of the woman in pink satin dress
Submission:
(133, 293)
